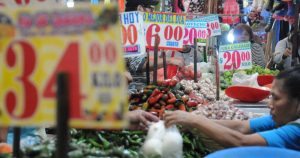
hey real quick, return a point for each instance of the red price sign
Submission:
(168, 27)
(132, 33)
(92, 59)
(235, 56)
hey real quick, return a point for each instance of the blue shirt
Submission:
(287, 136)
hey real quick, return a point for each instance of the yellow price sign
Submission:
(85, 42)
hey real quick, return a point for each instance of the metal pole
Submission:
(195, 59)
(165, 64)
(148, 68)
(217, 73)
(63, 105)
(16, 142)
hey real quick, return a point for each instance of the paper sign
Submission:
(194, 29)
(133, 37)
(235, 56)
(169, 27)
(213, 24)
(36, 44)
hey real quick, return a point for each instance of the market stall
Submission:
(62, 71)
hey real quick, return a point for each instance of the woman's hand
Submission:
(179, 117)
(140, 120)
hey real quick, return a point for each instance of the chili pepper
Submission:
(171, 95)
(171, 101)
(154, 99)
(182, 107)
(191, 103)
(169, 107)
(155, 92)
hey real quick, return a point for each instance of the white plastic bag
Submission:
(162, 142)
(242, 79)
(172, 143)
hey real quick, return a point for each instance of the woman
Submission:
(279, 129)
(243, 33)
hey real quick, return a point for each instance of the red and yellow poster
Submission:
(84, 42)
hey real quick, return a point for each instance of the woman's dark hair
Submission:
(131, 5)
(291, 82)
(243, 27)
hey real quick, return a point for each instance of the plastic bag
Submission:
(172, 143)
(162, 142)
(243, 79)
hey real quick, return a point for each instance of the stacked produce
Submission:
(226, 77)
(95, 144)
(221, 110)
(167, 95)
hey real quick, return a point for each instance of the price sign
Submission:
(235, 56)
(194, 29)
(83, 42)
(213, 24)
(169, 28)
(14, 3)
(133, 37)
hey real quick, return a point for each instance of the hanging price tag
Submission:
(194, 29)
(235, 56)
(83, 42)
(169, 28)
(133, 36)
(213, 24)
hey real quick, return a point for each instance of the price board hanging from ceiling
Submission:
(235, 56)
(36, 44)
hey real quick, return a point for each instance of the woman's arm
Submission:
(237, 125)
(220, 133)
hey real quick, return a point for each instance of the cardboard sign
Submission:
(133, 37)
(235, 56)
(169, 27)
(36, 44)
(194, 28)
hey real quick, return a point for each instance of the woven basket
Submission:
(210, 144)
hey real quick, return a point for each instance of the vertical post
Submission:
(148, 67)
(63, 104)
(195, 59)
(165, 64)
(16, 142)
(155, 60)
(204, 54)
(217, 73)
